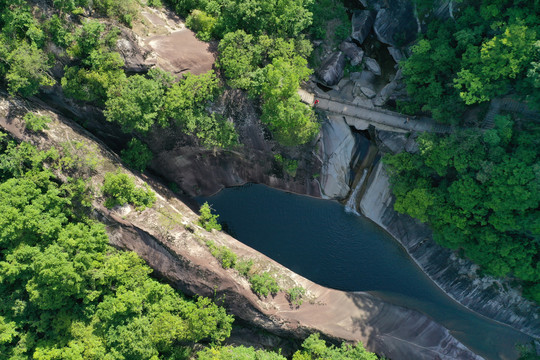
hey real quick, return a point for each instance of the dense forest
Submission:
(479, 189)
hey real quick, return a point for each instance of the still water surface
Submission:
(320, 241)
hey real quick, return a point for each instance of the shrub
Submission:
(207, 220)
(202, 23)
(120, 189)
(244, 266)
(137, 155)
(225, 256)
(35, 122)
(296, 294)
(264, 284)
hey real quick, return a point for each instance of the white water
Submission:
(351, 206)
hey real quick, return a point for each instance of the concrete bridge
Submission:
(380, 118)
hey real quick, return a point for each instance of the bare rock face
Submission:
(362, 22)
(136, 59)
(365, 78)
(396, 54)
(396, 25)
(369, 93)
(385, 93)
(331, 71)
(337, 147)
(372, 65)
(442, 9)
(354, 53)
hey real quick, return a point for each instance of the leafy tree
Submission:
(137, 155)
(206, 219)
(189, 95)
(264, 284)
(202, 23)
(315, 348)
(135, 102)
(119, 189)
(27, 71)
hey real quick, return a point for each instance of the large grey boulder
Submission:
(385, 93)
(368, 92)
(365, 78)
(331, 71)
(362, 22)
(396, 25)
(372, 65)
(354, 53)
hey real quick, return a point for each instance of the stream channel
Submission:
(319, 240)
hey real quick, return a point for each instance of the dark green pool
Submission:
(320, 241)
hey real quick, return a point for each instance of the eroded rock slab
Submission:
(331, 71)
(353, 52)
(396, 25)
(337, 148)
(362, 22)
(372, 65)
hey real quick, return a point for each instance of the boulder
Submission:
(368, 92)
(365, 78)
(372, 65)
(396, 54)
(396, 25)
(331, 71)
(397, 142)
(362, 22)
(385, 93)
(354, 53)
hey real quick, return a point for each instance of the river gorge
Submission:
(319, 240)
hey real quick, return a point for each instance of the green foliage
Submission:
(25, 68)
(264, 284)
(289, 165)
(487, 51)
(100, 67)
(208, 220)
(202, 23)
(124, 10)
(296, 295)
(225, 256)
(66, 293)
(244, 266)
(325, 12)
(292, 122)
(314, 348)
(119, 189)
(35, 122)
(237, 353)
(137, 155)
(135, 102)
(480, 193)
